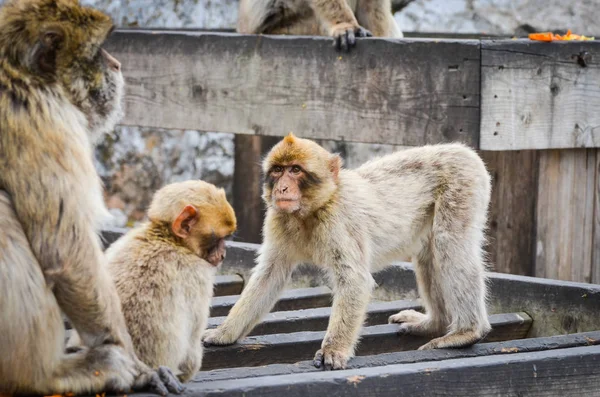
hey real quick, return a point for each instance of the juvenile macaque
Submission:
(344, 20)
(164, 272)
(429, 203)
(59, 90)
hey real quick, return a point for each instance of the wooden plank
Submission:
(228, 285)
(292, 347)
(405, 92)
(293, 299)
(247, 185)
(565, 372)
(511, 232)
(317, 319)
(539, 96)
(565, 214)
(596, 249)
(413, 356)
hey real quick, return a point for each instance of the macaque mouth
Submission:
(216, 253)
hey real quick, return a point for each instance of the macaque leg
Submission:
(268, 279)
(352, 295)
(32, 337)
(433, 322)
(377, 17)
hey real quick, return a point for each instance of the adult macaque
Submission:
(59, 90)
(164, 272)
(344, 20)
(428, 203)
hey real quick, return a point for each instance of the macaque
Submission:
(344, 20)
(59, 90)
(429, 203)
(164, 272)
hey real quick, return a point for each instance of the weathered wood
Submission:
(596, 248)
(293, 299)
(289, 348)
(511, 232)
(565, 214)
(539, 96)
(406, 92)
(317, 319)
(247, 185)
(228, 285)
(412, 356)
(566, 372)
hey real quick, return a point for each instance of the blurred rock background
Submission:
(135, 162)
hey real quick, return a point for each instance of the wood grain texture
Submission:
(511, 233)
(557, 373)
(539, 95)
(565, 214)
(412, 356)
(406, 92)
(288, 348)
(228, 285)
(596, 247)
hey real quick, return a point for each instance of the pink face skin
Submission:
(216, 254)
(286, 193)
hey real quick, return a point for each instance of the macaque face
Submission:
(287, 183)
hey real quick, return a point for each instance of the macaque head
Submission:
(198, 215)
(300, 176)
(58, 43)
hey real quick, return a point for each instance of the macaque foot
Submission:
(344, 35)
(330, 358)
(162, 381)
(412, 322)
(217, 337)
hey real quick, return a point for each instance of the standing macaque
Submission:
(344, 20)
(428, 203)
(164, 272)
(59, 90)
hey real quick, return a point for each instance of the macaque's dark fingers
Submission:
(351, 39)
(337, 42)
(328, 361)
(365, 33)
(318, 360)
(170, 380)
(152, 384)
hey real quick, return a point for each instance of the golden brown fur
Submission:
(58, 92)
(428, 203)
(165, 282)
(341, 19)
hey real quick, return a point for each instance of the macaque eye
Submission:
(277, 169)
(296, 169)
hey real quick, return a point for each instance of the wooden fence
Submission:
(530, 108)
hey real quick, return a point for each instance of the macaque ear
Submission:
(187, 218)
(44, 54)
(335, 164)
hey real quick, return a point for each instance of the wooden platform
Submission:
(545, 341)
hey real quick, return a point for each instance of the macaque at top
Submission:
(429, 203)
(344, 20)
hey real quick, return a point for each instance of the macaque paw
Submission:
(407, 316)
(345, 34)
(428, 346)
(330, 358)
(217, 337)
(162, 381)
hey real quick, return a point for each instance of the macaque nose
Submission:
(284, 189)
(112, 61)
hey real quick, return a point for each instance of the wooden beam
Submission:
(565, 214)
(511, 233)
(574, 371)
(317, 319)
(228, 285)
(404, 92)
(293, 299)
(412, 356)
(292, 347)
(538, 95)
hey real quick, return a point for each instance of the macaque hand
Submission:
(331, 358)
(344, 35)
(218, 337)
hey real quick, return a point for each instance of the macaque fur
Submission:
(164, 272)
(59, 90)
(429, 203)
(341, 19)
